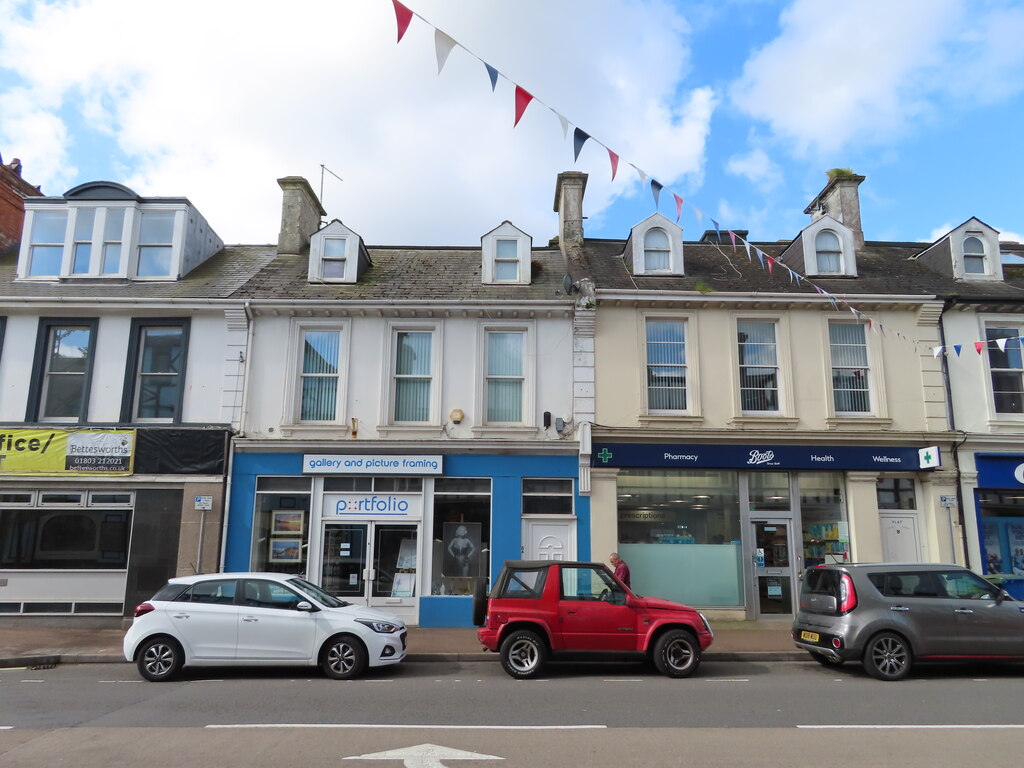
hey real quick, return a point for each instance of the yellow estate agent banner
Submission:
(67, 451)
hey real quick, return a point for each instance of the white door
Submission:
(900, 543)
(547, 539)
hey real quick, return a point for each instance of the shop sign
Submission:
(764, 456)
(371, 464)
(644, 516)
(66, 451)
(373, 506)
(1000, 470)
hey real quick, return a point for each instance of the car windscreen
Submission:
(821, 581)
(170, 592)
(312, 590)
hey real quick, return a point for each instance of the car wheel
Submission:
(160, 658)
(677, 653)
(887, 657)
(479, 602)
(343, 658)
(523, 654)
(827, 661)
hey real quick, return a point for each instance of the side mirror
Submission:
(305, 605)
(1002, 595)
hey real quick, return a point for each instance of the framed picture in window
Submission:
(286, 521)
(286, 549)
(461, 549)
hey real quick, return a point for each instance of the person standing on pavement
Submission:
(621, 569)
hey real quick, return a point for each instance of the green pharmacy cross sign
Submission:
(605, 455)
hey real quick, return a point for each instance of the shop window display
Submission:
(680, 534)
(1002, 523)
(461, 549)
(281, 525)
(826, 536)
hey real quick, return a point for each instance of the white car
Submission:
(258, 619)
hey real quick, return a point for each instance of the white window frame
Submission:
(636, 251)
(833, 365)
(29, 244)
(740, 366)
(292, 416)
(334, 231)
(979, 237)
(847, 248)
(664, 254)
(176, 244)
(687, 366)
(818, 252)
(529, 378)
(387, 421)
(1008, 325)
(506, 231)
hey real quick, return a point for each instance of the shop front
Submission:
(733, 527)
(999, 502)
(407, 533)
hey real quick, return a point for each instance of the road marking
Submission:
(120, 681)
(964, 726)
(623, 680)
(416, 727)
(727, 680)
(6, 727)
(33, 681)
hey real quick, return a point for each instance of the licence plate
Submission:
(811, 637)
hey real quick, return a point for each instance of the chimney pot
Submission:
(301, 214)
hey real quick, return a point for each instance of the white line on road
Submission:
(33, 681)
(414, 727)
(120, 681)
(964, 726)
(623, 680)
(727, 680)
(6, 727)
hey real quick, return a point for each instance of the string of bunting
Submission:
(444, 44)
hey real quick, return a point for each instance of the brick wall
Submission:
(12, 211)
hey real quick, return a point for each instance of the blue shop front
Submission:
(999, 505)
(407, 533)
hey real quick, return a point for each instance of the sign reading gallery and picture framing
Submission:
(67, 451)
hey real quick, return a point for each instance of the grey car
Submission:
(889, 616)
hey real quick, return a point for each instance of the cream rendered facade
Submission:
(908, 409)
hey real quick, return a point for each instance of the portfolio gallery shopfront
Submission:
(733, 527)
(408, 534)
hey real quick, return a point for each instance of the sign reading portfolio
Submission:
(67, 451)
(371, 464)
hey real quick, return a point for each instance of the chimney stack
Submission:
(569, 191)
(301, 214)
(840, 200)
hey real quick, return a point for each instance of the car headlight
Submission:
(384, 627)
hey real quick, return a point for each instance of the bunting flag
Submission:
(791, 273)
(641, 174)
(614, 159)
(679, 209)
(979, 345)
(732, 236)
(771, 262)
(579, 138)
(1001, 343)
(747, 246)
(700, 215)
(760, 256)
(957, 348)
(403, 15)
(565, 125)
(718, 232)
(656, 188)
(492, 73)
(442, 46)
(523, 99)
(937, 351)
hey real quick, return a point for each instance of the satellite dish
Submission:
(567, 285)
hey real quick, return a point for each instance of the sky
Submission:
(739, 107)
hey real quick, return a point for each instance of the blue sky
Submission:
(738, 106)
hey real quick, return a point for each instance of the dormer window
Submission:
(103, 229)
(829, 253)
(656, 250)
(336, 255)
(332, 263)
(506, 256)
(974, 254)
(655, 247)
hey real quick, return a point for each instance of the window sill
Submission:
(513, 430)
(314, 430)
(858, 422)
(1006, 422)
(417, 430)
(669, 420)
(774, 422)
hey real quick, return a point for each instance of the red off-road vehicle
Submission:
(541, 609)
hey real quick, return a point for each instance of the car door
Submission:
(920, 608)
(205, 619)
(592, 611)
(986, 626)
(270, 627)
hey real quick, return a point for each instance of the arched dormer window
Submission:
(656, 250)
(974, 255)
(829, 253)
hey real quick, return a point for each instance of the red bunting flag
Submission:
(679, 206)
(403, 15)
(771, 261)
(523, 99)
(615, 163)
(979, 345)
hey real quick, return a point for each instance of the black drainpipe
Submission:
(951, 420)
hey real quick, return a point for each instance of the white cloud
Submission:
(864, 73)
(756, 167)
(214, 101)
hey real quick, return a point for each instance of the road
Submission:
(731, 713)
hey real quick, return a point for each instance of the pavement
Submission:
(27, 643)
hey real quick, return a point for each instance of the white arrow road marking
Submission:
(410, 726)
(424, 756)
